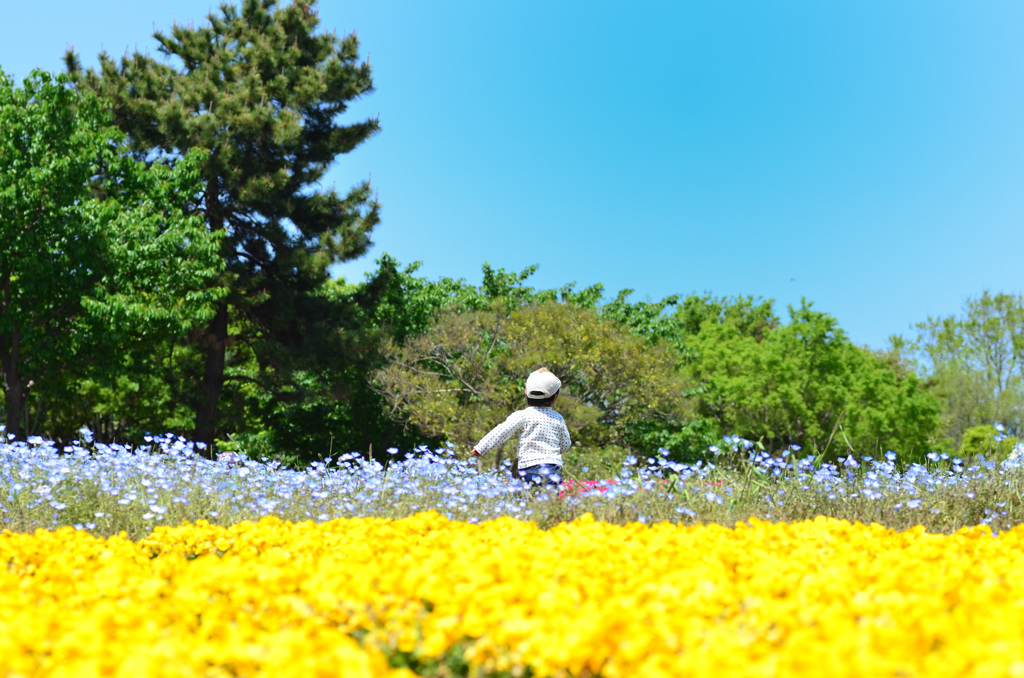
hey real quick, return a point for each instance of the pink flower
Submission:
(576, 486)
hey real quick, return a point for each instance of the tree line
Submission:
(166, 261)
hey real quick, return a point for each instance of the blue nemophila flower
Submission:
(168, 473)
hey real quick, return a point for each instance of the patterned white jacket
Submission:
(543, 436)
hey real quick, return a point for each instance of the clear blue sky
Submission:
(866, 155)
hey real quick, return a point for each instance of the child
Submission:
(543, 435)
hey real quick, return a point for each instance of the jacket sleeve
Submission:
(500, 433)
(564, 442)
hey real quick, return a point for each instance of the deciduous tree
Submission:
(805, 383)
(97, 253)
(975, 360)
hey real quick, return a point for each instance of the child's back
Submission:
(543, 435)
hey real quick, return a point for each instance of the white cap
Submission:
(542, 384)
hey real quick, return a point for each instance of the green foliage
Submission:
(751, 317)
(984, 440)
(465, 374)
(687, 441)
(744, 372)
(409, 304)
(337, 410)
(804, 383)
(975, 362)
(100, 262)
(678, 321)
(610, 376)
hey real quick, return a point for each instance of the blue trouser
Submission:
(541, 475)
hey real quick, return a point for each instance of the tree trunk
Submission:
(215, 343)
(14, 387)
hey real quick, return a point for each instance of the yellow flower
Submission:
(821, 597)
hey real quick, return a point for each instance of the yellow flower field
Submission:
(822, 597)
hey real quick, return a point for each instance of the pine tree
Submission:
(262, 90)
